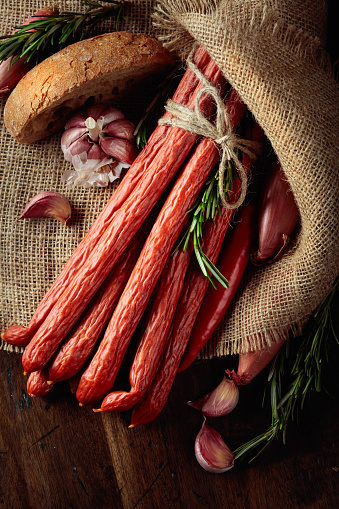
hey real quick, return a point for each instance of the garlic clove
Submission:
(211, 452)
(111, 114)
(96, 152)
(120, 129)
(79, 147)
(95, 111)
(221, 401)
(77, 120)
(72, 135)
(48, 204)
(122, 150)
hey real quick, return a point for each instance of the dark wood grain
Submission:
(54, 453)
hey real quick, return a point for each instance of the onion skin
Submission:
(252, 363)
(278, 217)
(10, 76)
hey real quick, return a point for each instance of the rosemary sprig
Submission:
(153, 111)
(306, 375)
(52, 33)
(208, 205)
(206, 209)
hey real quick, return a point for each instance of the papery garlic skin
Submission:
(92, 172)
(221, 401)
(99, 142)
(48, 204)
(211, 452)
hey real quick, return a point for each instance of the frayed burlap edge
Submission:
(169, 20)
(9, 348)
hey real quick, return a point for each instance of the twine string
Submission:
(194, 121)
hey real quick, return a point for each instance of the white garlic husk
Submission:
(99, 142)
(221, 401)
(211, 451)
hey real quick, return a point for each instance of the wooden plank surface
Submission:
(55, 454)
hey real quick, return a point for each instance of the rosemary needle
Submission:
(205, 209)
(52, 33)
(305, 370)
(145, 124)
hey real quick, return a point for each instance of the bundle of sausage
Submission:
(124, 284)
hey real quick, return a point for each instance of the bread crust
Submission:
(99, 70)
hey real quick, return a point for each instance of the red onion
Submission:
(10, 75)
(278, 217)
(252, 363)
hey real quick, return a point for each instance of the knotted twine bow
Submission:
(221, 132)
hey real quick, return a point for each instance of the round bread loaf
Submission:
(99, 70)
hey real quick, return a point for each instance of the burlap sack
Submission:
(272, 52)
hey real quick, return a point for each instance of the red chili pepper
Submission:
(232, 262)
(240, 243)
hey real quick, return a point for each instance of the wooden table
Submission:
(55, 454)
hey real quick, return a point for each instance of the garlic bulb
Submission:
(48, 204)
(211, 452)
(221, 401)
(99, 142)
